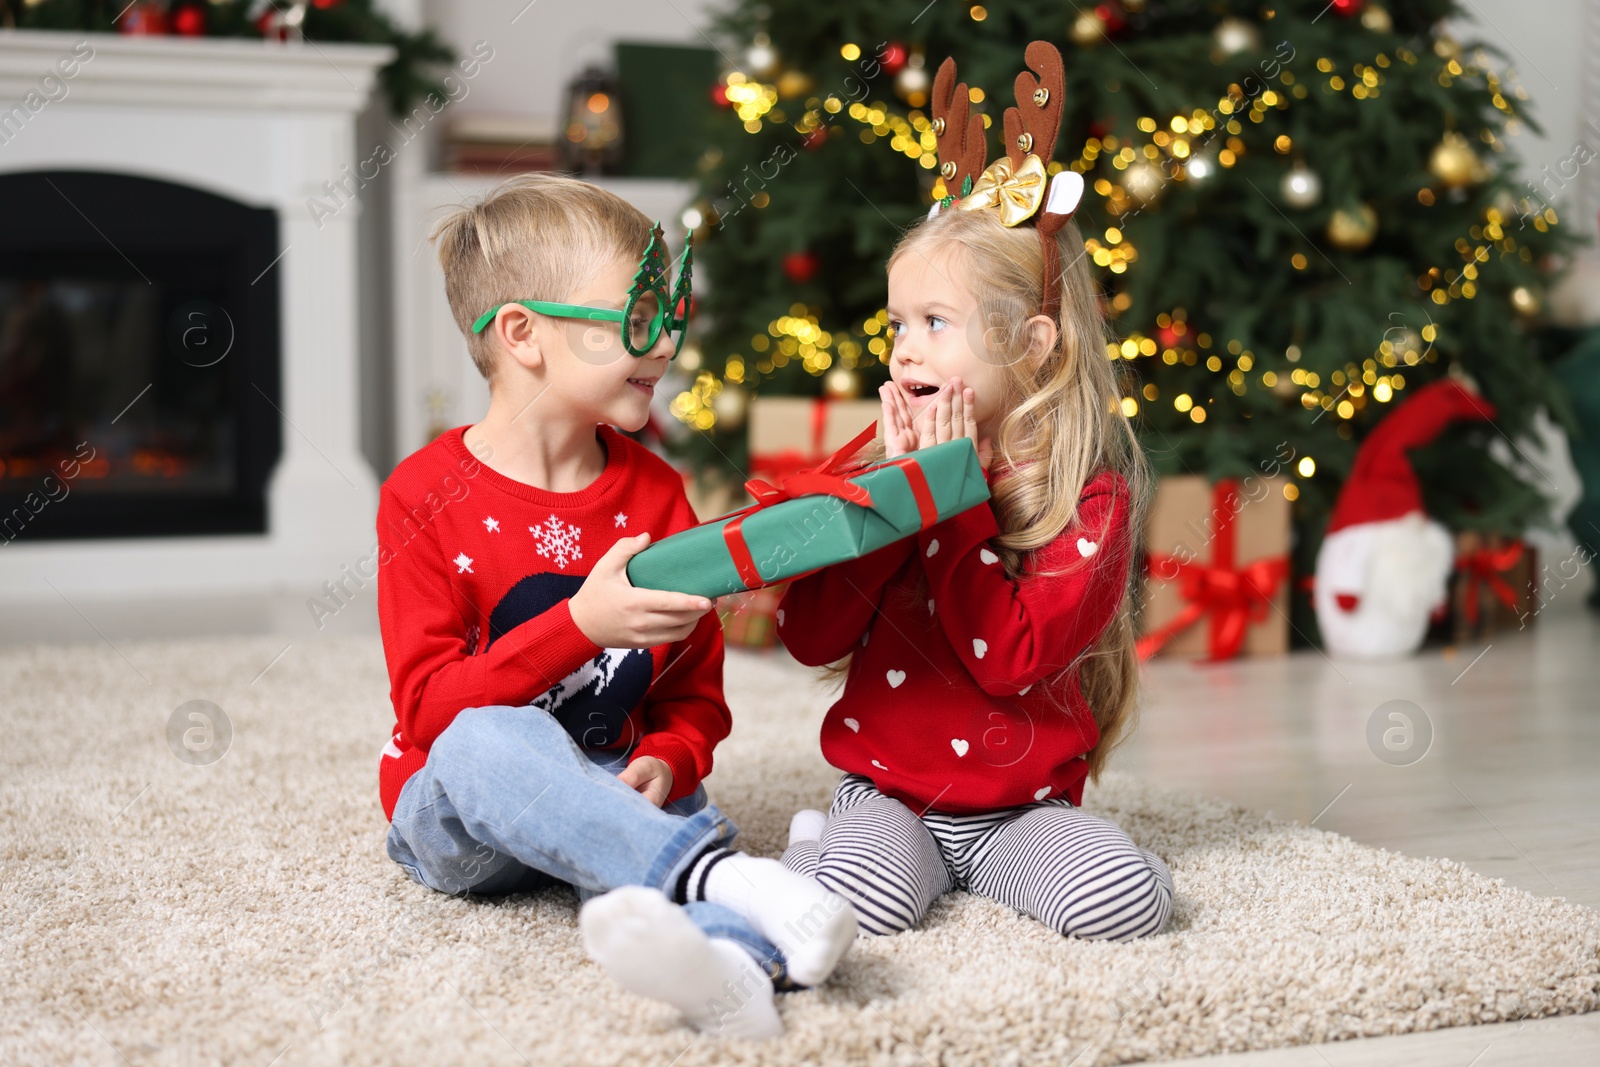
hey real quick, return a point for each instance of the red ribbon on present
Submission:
(828, 478)
(1234, 597)
(1484, 566)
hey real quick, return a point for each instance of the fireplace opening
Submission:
(139, 359)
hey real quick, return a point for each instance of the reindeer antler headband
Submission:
(1015, 185)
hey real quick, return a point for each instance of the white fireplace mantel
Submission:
(268, 125)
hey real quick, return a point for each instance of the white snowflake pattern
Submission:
(463, 564)
(621, 519)
(491, 524)
(557, 541)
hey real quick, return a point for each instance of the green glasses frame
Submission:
(672, 311)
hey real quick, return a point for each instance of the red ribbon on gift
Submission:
(1233, 597)
(1484, 566)
(828, 478)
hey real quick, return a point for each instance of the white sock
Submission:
(807, 825)
(812, 926)
(652, 948)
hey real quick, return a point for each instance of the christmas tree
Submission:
(1296, 213)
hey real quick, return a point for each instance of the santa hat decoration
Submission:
(1382, 484)
(1383, 567)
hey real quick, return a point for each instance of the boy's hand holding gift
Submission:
(613, 613)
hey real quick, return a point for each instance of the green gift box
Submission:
(814, 519)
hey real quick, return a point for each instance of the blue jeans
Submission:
(508, 803)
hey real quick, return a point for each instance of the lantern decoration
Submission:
(592, 142)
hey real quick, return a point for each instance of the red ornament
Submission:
(1347, 8)
(815, 139)
(1098, 130)
(189, 21)
(719, 95)
(143, 20)
(894, 57)
(1168, 337)
(1110, 16)
(325, 4)
(800, 267)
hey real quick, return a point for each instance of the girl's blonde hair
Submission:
(534, 237)
(1063, 424)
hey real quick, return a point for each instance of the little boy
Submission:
(553, 723)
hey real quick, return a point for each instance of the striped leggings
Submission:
(1079, 874)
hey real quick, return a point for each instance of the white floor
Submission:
(1509, 784)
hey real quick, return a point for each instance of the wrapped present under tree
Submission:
(1496, 587)
(1216, 569)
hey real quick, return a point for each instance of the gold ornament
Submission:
(793, 84)
(730, 406)
(1353, 230)
(689, 359)
(1233, 36)
(1377, 19)
(1144, 182)
(842, 383)
(1526, 301)
(1446, 48)
(1015, 195)
(1087, 29)
(1454, 162)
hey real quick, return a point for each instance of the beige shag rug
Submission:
(155, 912)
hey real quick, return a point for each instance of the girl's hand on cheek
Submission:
(952, 416)
(899, 435)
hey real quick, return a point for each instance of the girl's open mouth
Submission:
(918, 389)
(646, 384)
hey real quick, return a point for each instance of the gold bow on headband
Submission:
(1017, 195)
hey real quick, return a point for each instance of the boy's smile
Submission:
(591, 373)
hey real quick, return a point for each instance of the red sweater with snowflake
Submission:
(475, 574)
(954, 695)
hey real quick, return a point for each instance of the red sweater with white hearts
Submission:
(954, 698)
(475, 575)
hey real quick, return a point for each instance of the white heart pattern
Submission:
(959, 745)
(878, 765)
(933, 546)
(979, 647)
(987, 556)
(930, 606)
(1086, 547)
(1024, 691)
(1042, 793)
(780, 616)
(895, 678)
(855, 727)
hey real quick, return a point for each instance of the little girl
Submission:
(990, 658)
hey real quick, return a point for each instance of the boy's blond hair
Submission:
(534, 237)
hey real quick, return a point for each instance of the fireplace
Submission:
(138, 358)
(180, 410)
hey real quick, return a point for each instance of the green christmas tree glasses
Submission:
(649, 307)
